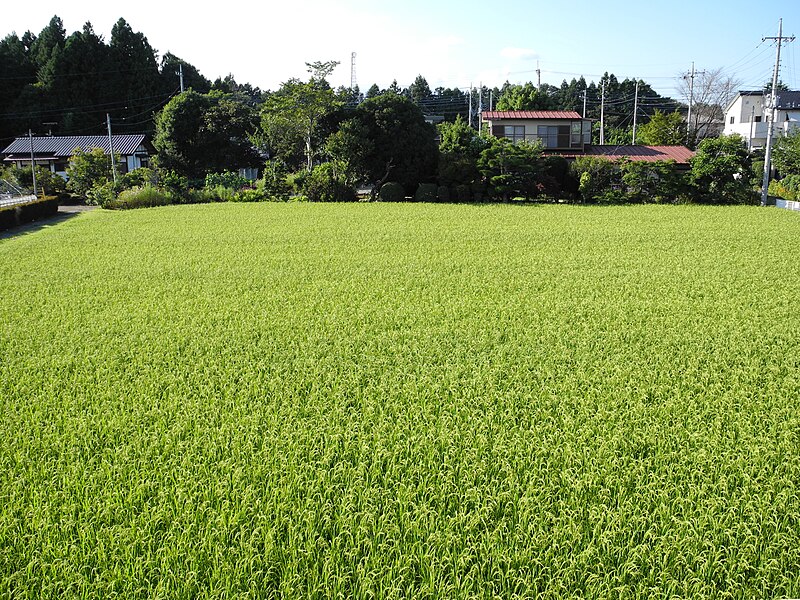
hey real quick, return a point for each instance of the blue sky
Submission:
(453, 44)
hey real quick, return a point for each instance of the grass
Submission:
(386, 401)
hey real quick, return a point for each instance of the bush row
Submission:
(11, 216)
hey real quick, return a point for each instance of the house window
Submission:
(758, 119)
(515, 133)
(732, 119)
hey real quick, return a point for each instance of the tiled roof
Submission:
(64, 146)
(680, 154)
(530, 114)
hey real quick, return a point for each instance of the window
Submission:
(515, 133)
(732, 119)
(758, 119)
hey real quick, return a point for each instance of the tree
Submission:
(419, 91)
(298, 107)
(713, 90)
(460, 147)
(88, 169)
(786, 154)
(170, 76)
(720, 171)
(663, 130)
(198, 134)
(524, 97)
(511, 170)
(387, 138)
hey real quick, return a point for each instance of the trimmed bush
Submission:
(328, 183)
(426, 192)
(228, 179)
(391, 191)
(250, 195)
(443, 193)
(18, 214)
(463, 193)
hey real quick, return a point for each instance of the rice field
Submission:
(397, 401)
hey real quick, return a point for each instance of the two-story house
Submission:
(748, 116)
(568, 134)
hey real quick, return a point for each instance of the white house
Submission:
(53, 152)
(748, 116)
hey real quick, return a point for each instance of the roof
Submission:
(530, 114)
(680, 154)
(64, 146)
(786, 99)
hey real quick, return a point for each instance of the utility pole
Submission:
(584, 104)
(470, 105)
(635, 110)
(480, 104)
(772, 106)
(690, 76)
(111, 149)
(538, 77)
(180, 72)
(33, 162)
(752, 119)
(353, 83)
(603, 115)
(491, 99)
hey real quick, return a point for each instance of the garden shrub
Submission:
(426, 192)
(391, 191)
(18, 214)
(443, 193)
(463, 193)
(328, 183)
(227, 179)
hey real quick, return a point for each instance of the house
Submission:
(557, 130)
(748, 116)
(567, 134)
(53, 152)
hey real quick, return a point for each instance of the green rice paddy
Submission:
(402, 401)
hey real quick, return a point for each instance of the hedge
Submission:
(18, 214)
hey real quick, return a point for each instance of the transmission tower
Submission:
(353, 83)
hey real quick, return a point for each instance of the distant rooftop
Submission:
(64, 146)
(491, 115)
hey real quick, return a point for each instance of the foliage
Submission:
(787, 188)
(460, 147)
(416, 401)
(391, 191)
(47, 182)
(426, 192)
(18, 214)
(387, 138)
(512, 170)
(290, 117)
(721, 171)
(600, 179)
(89, 169)
(328, 183)
(139, 197)
(664, 129)
(227, 179)
(786, 153)
(198, 134)
(646, 182)
(525, 97)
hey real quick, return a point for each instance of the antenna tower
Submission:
(353, 83)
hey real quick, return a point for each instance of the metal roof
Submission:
(64, 146)
(680, 154)
(530, 114)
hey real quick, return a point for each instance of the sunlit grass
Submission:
(380, 400)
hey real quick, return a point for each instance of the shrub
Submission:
(443, 193)
(140, 197)
(227, 179)
(426, 192)
(28, 212)
(391, 191)
(596, 176)
(463, 193)
(787, 188)
(250, 195)
(328, 183)
(101, 193)
(721, 171)
(651, 181)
